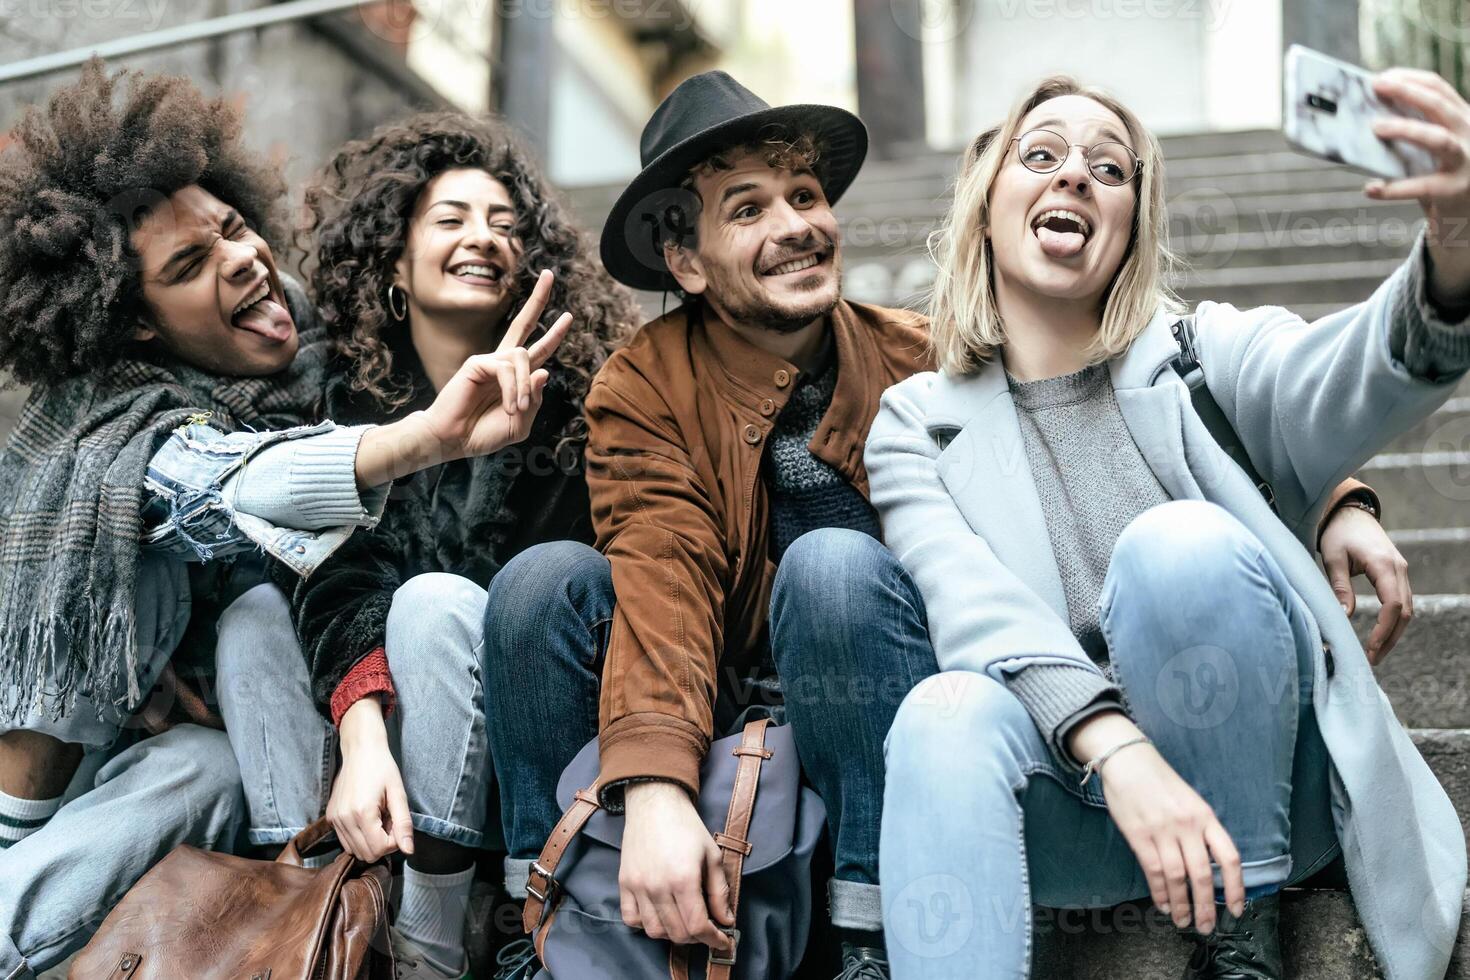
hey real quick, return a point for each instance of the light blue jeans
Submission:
(133, 799)
(1214, 653)
(288, 751)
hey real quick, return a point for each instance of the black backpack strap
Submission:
(1187, 365)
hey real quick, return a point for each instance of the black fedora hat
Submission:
(708, 113)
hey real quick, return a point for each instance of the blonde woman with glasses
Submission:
(1149, 690)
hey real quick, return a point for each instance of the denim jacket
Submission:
(292, 493)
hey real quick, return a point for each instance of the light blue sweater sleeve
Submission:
(293, 493)
(1313, 401)
(309, 484)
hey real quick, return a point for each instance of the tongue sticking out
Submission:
(1060, 244)
(269, 319)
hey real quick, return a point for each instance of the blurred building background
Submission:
(580, 78)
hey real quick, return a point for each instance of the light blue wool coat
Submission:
(1311, 402)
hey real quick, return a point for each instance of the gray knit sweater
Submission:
(1092, 482)
(805, 492)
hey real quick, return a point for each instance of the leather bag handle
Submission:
(304, 842)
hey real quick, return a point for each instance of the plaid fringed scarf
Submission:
(71, 500)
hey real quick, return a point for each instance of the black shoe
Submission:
(517, 961)
(1248, 948)
(864, 963)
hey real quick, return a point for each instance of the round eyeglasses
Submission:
(1042, 151)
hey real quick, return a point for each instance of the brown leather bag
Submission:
(204, 915)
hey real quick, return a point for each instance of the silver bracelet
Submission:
(1095, 766)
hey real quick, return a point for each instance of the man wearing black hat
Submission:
(725, 462)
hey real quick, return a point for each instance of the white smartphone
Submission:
(1329, 111)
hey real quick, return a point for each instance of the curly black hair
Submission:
(79, 175)
(360, 209)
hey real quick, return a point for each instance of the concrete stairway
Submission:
(1255, 224)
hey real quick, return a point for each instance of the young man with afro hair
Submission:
(173, 369)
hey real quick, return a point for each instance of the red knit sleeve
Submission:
(368, 678)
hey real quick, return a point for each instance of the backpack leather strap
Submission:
(541, 894)
(735, 845)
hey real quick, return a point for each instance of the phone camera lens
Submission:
(1322, 105)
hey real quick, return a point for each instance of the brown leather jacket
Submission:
(677, 424)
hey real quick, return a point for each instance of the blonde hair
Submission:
(966, 328)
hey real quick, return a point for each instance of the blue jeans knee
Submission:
(547, 581)
(843, 588)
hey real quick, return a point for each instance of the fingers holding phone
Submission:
(1407, 126)
(1444, 193)
(1443, 133)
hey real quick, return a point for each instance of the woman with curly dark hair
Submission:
(427, 234)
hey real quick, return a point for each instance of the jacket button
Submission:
(301, 549)
(783, 378)
(768, 407)
(752, 434)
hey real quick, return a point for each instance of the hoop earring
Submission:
(395, 291)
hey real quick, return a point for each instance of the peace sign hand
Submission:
(1444, 194)
(492, 400)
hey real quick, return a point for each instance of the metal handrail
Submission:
(168, 37)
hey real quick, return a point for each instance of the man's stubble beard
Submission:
(753, 310)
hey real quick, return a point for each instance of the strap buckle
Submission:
(547, 891)
(1269, 493)
(715, 959)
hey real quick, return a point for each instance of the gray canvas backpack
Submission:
(767, 825)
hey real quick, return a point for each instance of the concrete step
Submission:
(1427, 676)
(1435, 486)
(1334, 292)
(1254, 183)
(1445, 431)
(1280, 273)
(1282, 160)
(1200, 244)
(1222, 145)
(1439, 559)
(1322, 939)
(1447, 750)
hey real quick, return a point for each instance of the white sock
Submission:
(432, 916)
(20, 819)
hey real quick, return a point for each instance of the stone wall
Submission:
(303, 94)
